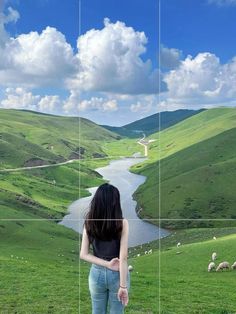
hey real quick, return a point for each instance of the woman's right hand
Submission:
(123, 296)
(114, 264)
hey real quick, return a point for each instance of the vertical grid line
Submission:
(79, 167)
(159, 137)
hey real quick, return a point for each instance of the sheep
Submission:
(178, 244)
(211, 266)
(130, 268)
(213, 256)
(214, 238)
(223, 265)
(234, 265)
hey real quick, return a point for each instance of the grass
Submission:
(185, 282)
(31, 137)
(39, 266)
(124, 147)
(45, 192)
(197, 169)
(47, 276)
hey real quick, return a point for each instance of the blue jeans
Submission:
(103, 286)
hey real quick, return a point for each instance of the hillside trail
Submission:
(60, 163)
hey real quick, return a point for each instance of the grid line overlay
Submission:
(159, 151)
(80, 23)
(159, 219)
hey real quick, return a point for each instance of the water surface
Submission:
(117, 173)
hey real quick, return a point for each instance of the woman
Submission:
(107, 231)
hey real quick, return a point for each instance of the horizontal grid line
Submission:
(129, 219)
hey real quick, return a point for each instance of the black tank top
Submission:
(106, 249)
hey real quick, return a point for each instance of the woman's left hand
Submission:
(114, 264)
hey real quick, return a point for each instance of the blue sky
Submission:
(197, 26)
(112, 76)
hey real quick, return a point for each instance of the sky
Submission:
(116, 62)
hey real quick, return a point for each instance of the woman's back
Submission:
(106, 230)
(106, 249)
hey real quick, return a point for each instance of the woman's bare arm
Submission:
(123, 291)
(85, 255)
(123, 256)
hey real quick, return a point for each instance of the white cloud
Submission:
(107, 60)
(221, 3)
(49, 103)
(34, 59)
(110, 61)
(19, 98)
(71, 103)
(96, 103)
(11, 16)
(201, 81)
(169, 57)
(141, 107)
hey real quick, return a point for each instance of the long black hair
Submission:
(104, 219)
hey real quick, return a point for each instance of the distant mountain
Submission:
(30, 138)
(150, 124)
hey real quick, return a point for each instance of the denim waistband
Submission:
(98, 266)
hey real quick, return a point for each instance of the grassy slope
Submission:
(185, 282)
(32, 285)
(198, 152)
(33, 194)
(47, 276)
(41, 273)
(35, 277)
(27, 135)
(123, 147)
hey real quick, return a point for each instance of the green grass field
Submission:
(39, 260)
(185, 282)
(197, 169)
(30, 137)
(41, 272)
(46, 192)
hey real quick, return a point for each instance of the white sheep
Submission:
(214, 238)
(130, 268)
(234, 265)
(222, 266)
(211, 266)
(213, 256)
(150, 251)
(178, 244)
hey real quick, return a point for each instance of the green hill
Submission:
(31, 138)
(47, 192)
(150, 124)
(197, 169)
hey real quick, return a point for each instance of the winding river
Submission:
(118, 174)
